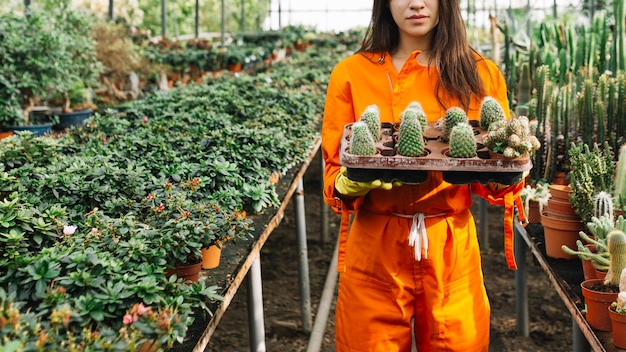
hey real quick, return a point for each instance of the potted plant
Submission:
(44, 51)
(80, 67)
(600, 293)
(594, 250)
(535, 198)
(510, 138)
(617, 313)
(183, 227)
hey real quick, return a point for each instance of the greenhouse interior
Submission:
(140, 137)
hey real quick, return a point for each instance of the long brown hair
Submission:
(449, 50)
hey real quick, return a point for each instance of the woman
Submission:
(432, 285)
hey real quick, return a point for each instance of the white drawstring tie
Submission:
(418, 238)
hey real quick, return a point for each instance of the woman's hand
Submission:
(348, 187)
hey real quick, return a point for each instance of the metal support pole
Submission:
(243, 15)
(256, 325)
(483, 232)
(324, 210)
(26, 4)
(197, 19)
(111, 9)
(223, 25)
(521, 287)
(303, 268)
(163, 18)
(580, 342)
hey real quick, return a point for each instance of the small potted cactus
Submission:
(454, 116)
(462, 141)
(410, 137)
(490, 112)
(510, 138)
(617, 313)
(371, 116)
(362, 144)
(600, 293)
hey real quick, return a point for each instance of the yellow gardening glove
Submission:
(347, 187)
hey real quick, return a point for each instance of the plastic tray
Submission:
(389, 166)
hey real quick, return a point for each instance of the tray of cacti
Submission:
(492, 149)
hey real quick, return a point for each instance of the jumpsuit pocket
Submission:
(361, 280)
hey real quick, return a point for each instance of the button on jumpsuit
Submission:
(382, 286)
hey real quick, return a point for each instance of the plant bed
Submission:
(480, 168)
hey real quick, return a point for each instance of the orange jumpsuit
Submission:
(382, 285)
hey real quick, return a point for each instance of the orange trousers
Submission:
(383, 288)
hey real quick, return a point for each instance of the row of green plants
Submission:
(91, 219)
(571, 79)
(99, 63)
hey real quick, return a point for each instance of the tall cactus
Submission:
(620, 180)
(616, 243)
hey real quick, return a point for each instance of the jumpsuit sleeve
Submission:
(338, 111)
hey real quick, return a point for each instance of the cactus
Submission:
(490, 111)
(361, 142)
(620, 180)
(415, 110)
(620, 305)
(410, 139)
(453, 116)
(616, 243)
(371, 116)
(462, 141)
(603, 205)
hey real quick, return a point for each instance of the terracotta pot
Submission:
(211, 257)
(597, 305)
(589, 271)
(599, 274)
(560, 178)
(5, 134)
(186, 272)
(149, 346)
(560, 192)
(558, 232)
(618, 326)
(561, 209)
(534, 214)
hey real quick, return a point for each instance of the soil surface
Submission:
(550, 322)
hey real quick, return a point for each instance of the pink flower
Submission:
(161, 207)
(128, 319)
(69, 229)
(141, 309)
(145, 119)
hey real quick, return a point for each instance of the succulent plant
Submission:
(371, 116)
(453, 116)
(462, 141)
(362, 142)
(511, 138)
(490, 112)
(410, 138)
